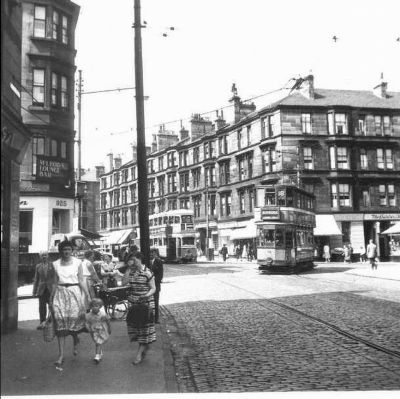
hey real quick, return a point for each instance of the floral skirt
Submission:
(68, 310)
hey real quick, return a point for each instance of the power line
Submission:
(108, 90)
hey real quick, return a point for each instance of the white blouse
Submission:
(67, 274)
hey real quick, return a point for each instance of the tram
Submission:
(172, 233)
(285, 238)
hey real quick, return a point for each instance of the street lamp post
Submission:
(141, 140)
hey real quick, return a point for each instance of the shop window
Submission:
(25, 230)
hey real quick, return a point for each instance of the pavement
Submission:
(27, 362)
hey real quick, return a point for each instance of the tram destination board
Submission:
(270, 213)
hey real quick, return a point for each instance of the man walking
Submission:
(42, 286)
(224, 252)
(156, 266)
(371, 254)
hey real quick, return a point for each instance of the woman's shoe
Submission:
(138, 360)
(59, 362)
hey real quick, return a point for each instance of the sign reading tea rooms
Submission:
(51, 169)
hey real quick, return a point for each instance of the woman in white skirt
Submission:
(67, 299)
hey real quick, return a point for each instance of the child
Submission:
(98, 324)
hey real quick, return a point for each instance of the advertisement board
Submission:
(52, 170)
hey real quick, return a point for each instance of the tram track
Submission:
(186, 355)
(318, 320)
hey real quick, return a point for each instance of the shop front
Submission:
(41, 217)
(393, 234)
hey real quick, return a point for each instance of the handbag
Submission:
(139, 314)
(49, 331)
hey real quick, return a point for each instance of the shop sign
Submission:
(51, 169)
(382, 216)
(62, 203)
(270, 213)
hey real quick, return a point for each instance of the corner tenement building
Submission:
(47, 97)
(342, 145)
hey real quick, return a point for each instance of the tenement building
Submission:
(341, 145)
(15, 138)
(47, 96)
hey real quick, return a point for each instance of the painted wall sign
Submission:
(382, 216)
(52, 169)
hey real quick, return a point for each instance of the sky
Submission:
(257, 44)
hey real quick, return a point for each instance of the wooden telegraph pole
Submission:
(141, 140)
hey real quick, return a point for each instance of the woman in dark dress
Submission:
(141, 290)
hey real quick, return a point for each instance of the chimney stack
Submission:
(100, 170)
(381, 89)
(199, 126)
(183, 133)
(111, 160)
(220, 122)
(307, 87)
(117, 162)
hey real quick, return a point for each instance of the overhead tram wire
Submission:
(221, 108)
(188, 119)
(108, 90)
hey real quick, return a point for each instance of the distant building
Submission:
(14, 141)
(47, 173)
(341, 145)
(88, 194)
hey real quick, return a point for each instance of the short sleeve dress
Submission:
(97, 324)
(138, 281)
(68, 302)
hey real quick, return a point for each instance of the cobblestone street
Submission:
(233, 330)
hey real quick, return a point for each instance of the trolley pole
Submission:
(141, 140)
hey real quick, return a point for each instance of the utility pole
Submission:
(141, 140)
(79, 141)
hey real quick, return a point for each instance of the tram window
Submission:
(165, 219)
(160, 221)
(269, 197)
(289, 239)
(177, 219)
(164, 241)
(151, 222)
(155, 221)
(171, 220)
(188, 241)
(289, 197)
(266, 238)
(279, 238)
(281, 197)
(186, 219)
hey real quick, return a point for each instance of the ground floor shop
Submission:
(356, 230)
(40, 217)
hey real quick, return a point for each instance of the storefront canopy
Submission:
(117, 237)
(326, 226)
(90, 234)
(393, 230)
(250, 231)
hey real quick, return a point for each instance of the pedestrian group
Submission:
(69, 304)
